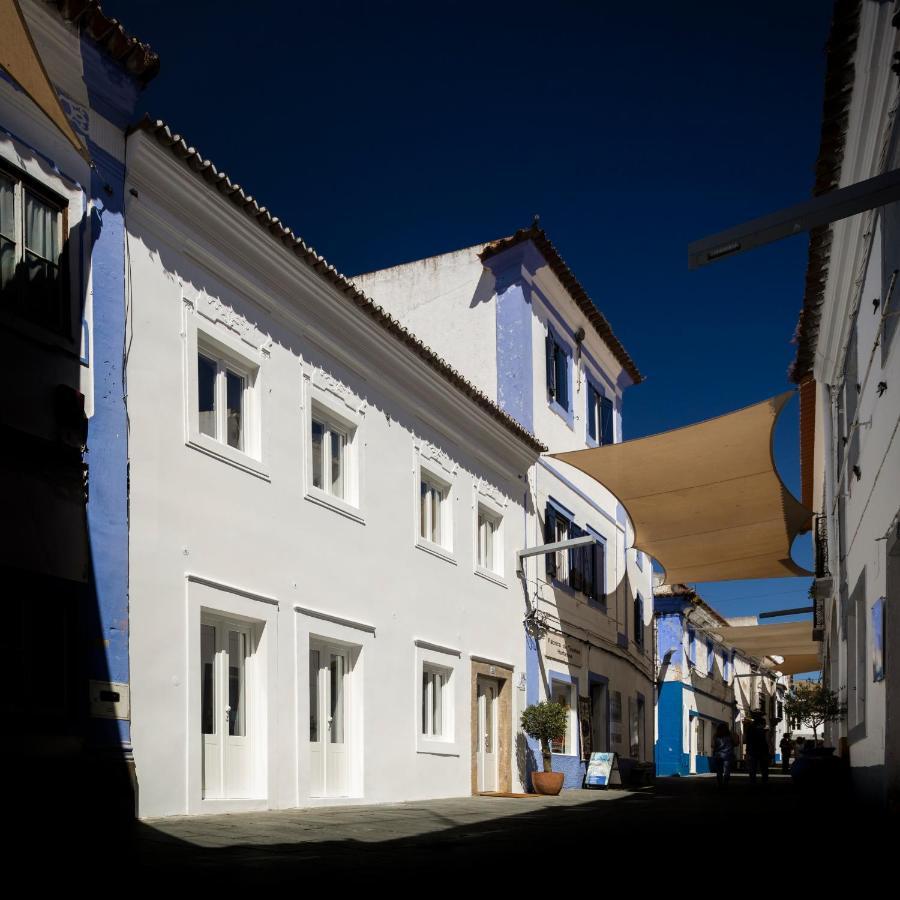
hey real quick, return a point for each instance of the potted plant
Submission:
(545, 722)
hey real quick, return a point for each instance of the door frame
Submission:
(206, 595)
(503, 674)
(488, 681)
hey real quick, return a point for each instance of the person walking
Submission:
(787, 746)
(723, 755)
(757, 744)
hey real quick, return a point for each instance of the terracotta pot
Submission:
(547, 783)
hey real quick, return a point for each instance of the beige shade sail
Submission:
(19, 57)
(791, 640)
(706, 500)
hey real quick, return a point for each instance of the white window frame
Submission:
(444, 548)
(228, 353)
(569, 748)
(494, 572)
(321, 409)
(444, 661)
(17, 162)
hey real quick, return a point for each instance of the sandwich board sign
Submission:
(602, 771)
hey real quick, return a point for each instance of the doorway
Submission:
(599, 718)
(488, 707)
(227, 648)
(329, 731)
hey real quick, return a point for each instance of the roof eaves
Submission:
(839, 75)
(286, 237)
(137, 58)
(568, 280)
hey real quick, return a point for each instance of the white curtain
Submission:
(40, 228)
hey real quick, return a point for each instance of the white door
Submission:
(329, 739)
(226, 649)
(488, 692)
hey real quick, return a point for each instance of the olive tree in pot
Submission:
(545, 722)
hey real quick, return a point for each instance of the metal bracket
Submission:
(543, 549)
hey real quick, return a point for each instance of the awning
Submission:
(19, 57)
(791, 640)
(706, 500)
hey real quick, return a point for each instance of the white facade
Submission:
(295, 644)
(854, 473)
(491, 314)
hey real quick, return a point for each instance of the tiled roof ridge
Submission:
(691, 595)
(581, 297)
(138, 59)
(839, 75)
(280, 232)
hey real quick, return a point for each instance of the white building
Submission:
(512, 317)
(323, 524)
(848, 369)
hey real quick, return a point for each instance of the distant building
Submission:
(703, 682)
(511, 316)
(848, 371)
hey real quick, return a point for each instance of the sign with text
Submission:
(564, 649)
(602, 771)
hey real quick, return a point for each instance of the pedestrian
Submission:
(723, 755)
(757, 744)
(787, 746)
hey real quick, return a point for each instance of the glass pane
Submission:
(437, 696)
(424, 517)
(488, 544)
(7, 264)
(489, 719)
(481, 540)
(7, 208)
(314, 695)
(426, 704)
(436, 515)
(207, 678)
(237, 652)
(592, 412)
(235, 406)
(337, 698)
(41, 228)
(206, 394)
(337, 464)
(318, 436)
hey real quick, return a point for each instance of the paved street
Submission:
(274, 846)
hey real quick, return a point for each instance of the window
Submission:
(639, 620)
(329, 457)
(557, 371)
(710, 658)
(599, 416)
(564, 693)
(692, 646)
(434, 689)
(583, 568)
(222, 395)
(431, 512)
(489, 547)
(31, 255)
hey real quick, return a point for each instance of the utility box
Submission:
(110, 700)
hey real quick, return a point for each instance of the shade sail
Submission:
(706, 500)
(791, 640)
(19, 57)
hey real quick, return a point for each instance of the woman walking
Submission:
(723, 754)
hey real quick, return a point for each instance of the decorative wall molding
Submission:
(214, 310)
(486, 489)
(436, 455)
(325, 381)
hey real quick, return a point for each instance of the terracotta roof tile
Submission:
(559, 268)
(284, 235)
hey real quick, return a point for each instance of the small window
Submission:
(435, 708)
(433, 512)
(489, 549)
(563, 693)
(639, 621)
(599, 416)
(31, 256)
(557, 371)
(329, 457)
(222, 400)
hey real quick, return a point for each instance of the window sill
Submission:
(436, 550)
(226, 454)
(429, 747)
(335, 504)
(488, 575)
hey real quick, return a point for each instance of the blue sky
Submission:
(391, 131)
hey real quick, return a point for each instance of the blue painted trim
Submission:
(692, 645)
(86, 343)
(562, 510)
(576, 490)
